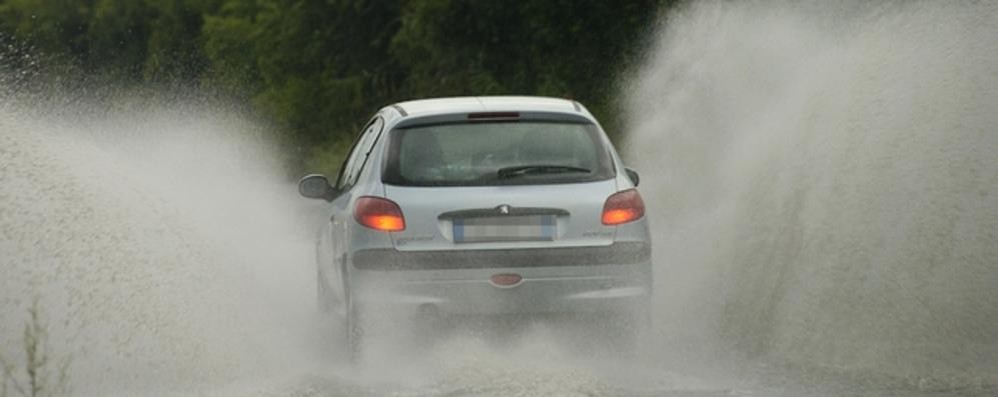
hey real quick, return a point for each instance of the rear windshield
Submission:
(497, 153)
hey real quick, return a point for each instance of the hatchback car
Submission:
(481, 206)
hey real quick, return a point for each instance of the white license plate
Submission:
(505, 228)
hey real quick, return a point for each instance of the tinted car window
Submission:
(358, 155)
(478, 154)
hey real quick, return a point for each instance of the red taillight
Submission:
(379, 214)
(493, 115)
(623, 207)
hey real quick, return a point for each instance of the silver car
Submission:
(481, 206)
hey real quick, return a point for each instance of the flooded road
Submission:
(822, 182)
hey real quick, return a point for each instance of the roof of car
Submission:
(435, 106)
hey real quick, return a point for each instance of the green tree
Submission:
(120, 41)
(175, 50)
(317, 68)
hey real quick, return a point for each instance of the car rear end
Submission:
(512, 212)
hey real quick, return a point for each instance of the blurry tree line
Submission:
(317, 69)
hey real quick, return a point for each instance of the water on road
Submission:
(822, 180)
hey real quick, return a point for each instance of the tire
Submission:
(426, 326)
(354, 332)
(323, 301)
(629, 330)
(639, 326)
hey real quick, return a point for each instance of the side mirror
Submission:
(316, 186)
(635, 178)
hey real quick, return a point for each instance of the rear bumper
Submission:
(621, 253)
(562, 280)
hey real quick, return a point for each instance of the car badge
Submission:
(503, 209)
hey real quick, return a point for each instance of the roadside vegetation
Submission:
(315, 69)
(40, 373)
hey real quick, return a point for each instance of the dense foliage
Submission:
(318, 68)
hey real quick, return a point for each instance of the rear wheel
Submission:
(323, 298)
(637, 323)
(354, 331)
(624, 332)
(426, 326)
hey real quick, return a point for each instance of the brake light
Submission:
(623, 207)
(493, 115)
(379, 214)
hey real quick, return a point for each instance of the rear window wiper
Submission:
(509, 172)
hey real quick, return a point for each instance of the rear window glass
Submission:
(497, 153)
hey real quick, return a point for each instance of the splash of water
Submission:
(821, 177)
(824, 182)
(161, 240)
